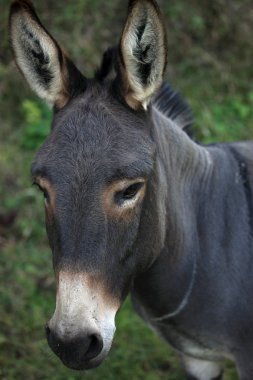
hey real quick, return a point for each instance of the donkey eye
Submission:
(132, 190)
(129, 193)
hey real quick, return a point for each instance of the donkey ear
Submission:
(38, 56)
(143, 52)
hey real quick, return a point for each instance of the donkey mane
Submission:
(171, 104)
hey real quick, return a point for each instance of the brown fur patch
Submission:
(112, 209)
(93, 282)
(64, 95)
(50, 203)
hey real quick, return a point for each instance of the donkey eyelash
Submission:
(37, 185)
(44, 191)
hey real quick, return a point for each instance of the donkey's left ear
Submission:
(40, 59)
(143, 53)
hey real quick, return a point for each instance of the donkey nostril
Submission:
(95, 347)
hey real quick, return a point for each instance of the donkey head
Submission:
(95, 170)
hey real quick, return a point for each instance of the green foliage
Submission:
(229, 120)
(37, 117)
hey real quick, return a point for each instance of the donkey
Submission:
(135, 205)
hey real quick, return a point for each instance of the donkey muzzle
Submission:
(79, 353)
(81, 330)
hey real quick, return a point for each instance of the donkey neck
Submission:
(180, 155)
(183, 173)
(183, 169)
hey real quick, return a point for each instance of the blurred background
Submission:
(210, 63)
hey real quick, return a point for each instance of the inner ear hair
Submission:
(38, 56)
(143, 49)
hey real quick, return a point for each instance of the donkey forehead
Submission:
(96, 135)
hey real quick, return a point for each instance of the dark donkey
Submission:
(133, 204)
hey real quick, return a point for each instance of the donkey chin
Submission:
(82, 328)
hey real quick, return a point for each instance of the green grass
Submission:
(211, 64)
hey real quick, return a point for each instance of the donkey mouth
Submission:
(83, 365)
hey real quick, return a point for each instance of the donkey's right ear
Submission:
(40, 59)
